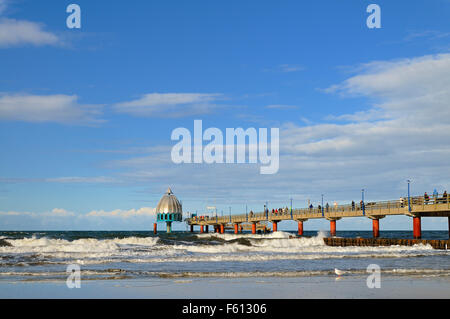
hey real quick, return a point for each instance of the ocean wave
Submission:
(117, 274)
(275, 246)
(85, 245)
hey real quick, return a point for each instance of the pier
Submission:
(416, 207)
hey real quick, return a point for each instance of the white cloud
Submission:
(144, 211)
(15, 33)
(170, 105)
(56, 212)
(20, 32)
(403, 136)
(62, 180)
(60, 212)
(281, 106)
(47, 108)
(82, 180)
(290, 68)
(3, 5)
(285, 68)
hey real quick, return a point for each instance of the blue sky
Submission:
(356, 107)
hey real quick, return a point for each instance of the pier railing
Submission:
(402, 206)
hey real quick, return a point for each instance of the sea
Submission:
(116, 255)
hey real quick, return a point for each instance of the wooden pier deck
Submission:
(415, 207)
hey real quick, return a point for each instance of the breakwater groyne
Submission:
(342, 242)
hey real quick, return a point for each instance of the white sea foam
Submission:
(229, 237)
(86, 245)
(260, 248)
(124, 274)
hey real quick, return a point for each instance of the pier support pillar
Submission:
(222, 228)
(253, 228)
(448, 226)
(169, 227)
(241, 228)
(192, 228)
(300, 228)
(207, 229)
(236, 228)
(417, 228)
(201, 229)
(275, 226)
(155, 228)
(332, 228)
(376, 228)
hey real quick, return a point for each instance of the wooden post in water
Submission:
(333, 227)
(300, 228)
(376, 228)
(417, 228)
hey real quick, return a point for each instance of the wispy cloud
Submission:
(48, 108)
(3, 5)
(60, 212)
(428, 34)
(291, 68)
(20, 32)
(285, 68)
(56, 212)
(119, 213)
(401, 136)
(62, 180)
(281, 106)
(15, 33)
(170, 105)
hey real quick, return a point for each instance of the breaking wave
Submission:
(188, 255)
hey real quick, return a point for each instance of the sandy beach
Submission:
(326, 287)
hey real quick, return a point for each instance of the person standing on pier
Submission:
(426, 197)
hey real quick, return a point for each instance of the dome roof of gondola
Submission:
(169, 203)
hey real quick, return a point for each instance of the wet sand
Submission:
(327, 287)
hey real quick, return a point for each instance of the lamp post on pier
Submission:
(291, 208)
(409, 195)
(362, 203)
(267, 210)
(322, 206)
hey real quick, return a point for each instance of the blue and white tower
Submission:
(169, 210)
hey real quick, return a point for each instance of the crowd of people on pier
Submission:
(426, 199)
(436, 198)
